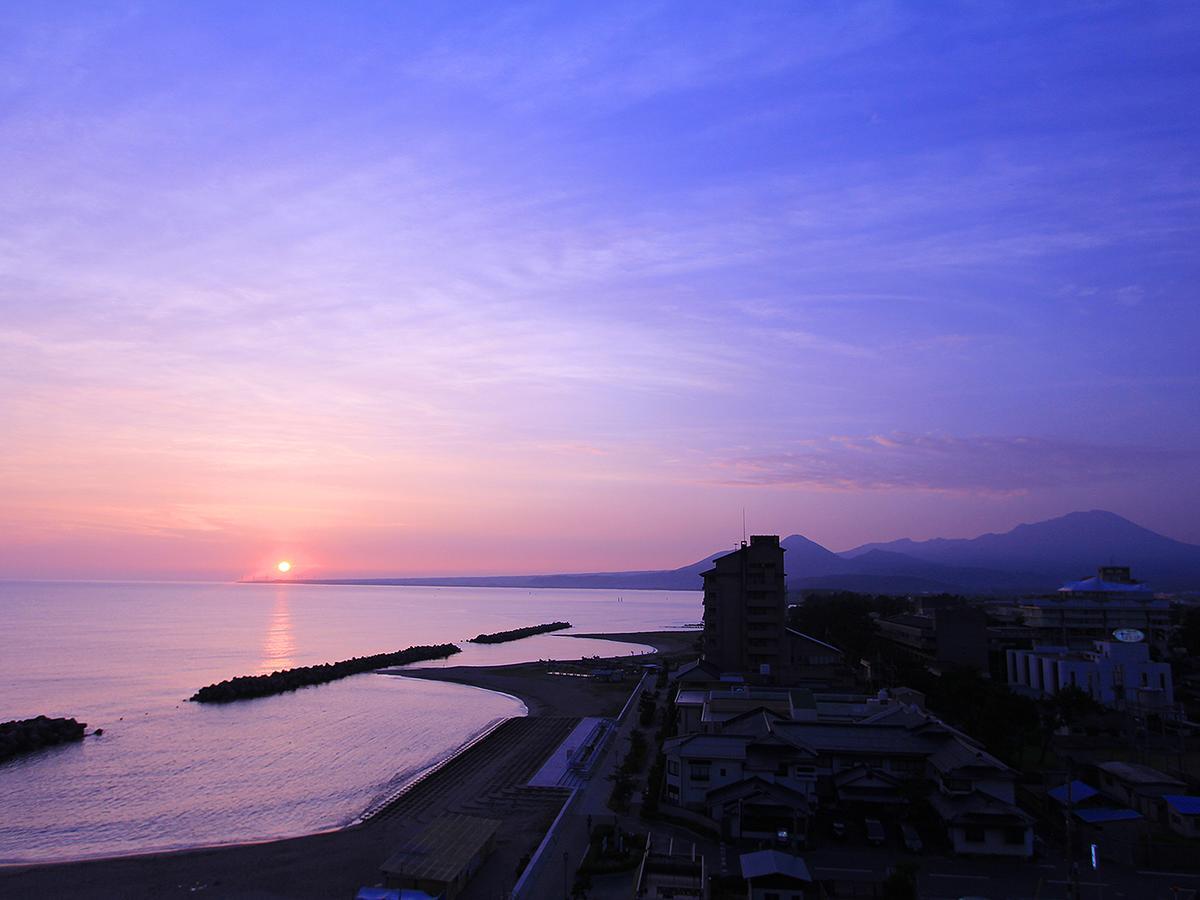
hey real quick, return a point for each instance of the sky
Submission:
(435, 288)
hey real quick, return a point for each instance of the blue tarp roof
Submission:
(1189, 806)
(1099, 816)
(1079, 792)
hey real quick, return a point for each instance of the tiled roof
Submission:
(975, 805)
(1097, 816)
(958, 754)
(1136, 773)
(861, 738)
(709, 745)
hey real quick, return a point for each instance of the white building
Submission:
(1116, 674)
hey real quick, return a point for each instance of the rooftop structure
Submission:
(442, 858)
(671, 868)
(773, 874)
(708, 710)
(1107, 582)
(1091, 609)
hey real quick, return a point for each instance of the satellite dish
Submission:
(1128, 635)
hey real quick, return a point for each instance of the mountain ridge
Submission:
(1032, 557)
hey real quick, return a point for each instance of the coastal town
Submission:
(1008, 747)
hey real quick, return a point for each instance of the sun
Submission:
(284, 566)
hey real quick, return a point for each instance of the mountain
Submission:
(1029, 558)
(1068, 547)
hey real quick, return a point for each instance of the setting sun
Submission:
(284, 566)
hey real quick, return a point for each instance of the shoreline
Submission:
(304, 865)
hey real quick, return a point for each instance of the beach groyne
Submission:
(22, 736)
(500, 637)
(248, 687)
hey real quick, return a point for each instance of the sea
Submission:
(168, 774)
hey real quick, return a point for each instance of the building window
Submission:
(672, 767)
(975, 834)
(700, 772)
(1014, 834)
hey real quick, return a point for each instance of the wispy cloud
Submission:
(907, 462)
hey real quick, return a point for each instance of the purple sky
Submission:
(391, 288)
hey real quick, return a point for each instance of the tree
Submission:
(1065, 708)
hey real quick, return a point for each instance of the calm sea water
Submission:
(168, 774)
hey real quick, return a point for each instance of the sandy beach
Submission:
(486, 779)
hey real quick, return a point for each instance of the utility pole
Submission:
(1072, 863)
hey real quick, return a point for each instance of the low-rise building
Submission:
(941, 637)
(784, 767)
(775, 875)
(1183, 814)
(1116, 832)
(978, 824)
(1137, 786)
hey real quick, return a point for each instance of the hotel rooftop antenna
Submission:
(743, 526)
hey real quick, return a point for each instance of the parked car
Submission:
(912, 840)
(875, 833)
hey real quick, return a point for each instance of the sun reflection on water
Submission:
(279, 648)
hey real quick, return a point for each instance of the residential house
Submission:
(1138, 787)
(1183, 814)
(881, 759)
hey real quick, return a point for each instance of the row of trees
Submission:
(246, 687)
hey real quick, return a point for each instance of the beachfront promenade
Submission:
(563, 850)
(490, 779)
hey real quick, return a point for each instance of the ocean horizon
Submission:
(168, 774)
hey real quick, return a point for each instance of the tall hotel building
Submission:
(745, 609)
